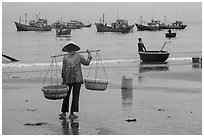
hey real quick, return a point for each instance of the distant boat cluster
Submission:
(120, 25)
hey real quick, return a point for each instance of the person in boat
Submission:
(141, 47)
(169, 30)
(72, 77)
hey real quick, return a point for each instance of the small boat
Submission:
(174, 25)
(74, 24)
(119, 25)
(154, 56)
(63, 32)
(39, 25)
(170, 35)
(86, 25)
(154, 25)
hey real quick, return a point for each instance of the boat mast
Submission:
(141, 19)
(103, 18)
(20, 19)
(36, 17)
(25, 18)
(164, 19)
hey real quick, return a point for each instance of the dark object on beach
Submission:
(131, 120)
(39, 25)
(117, 26)
(9, 57)
(35, 124)
(63, 32)
(196, 60)
(170, 35)
(55, 92)
(160, 109)
(154, 56)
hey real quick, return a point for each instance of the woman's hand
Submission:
(89, 54)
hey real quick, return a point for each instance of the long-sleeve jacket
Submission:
(71, 68)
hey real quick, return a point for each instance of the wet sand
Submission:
(165, 100)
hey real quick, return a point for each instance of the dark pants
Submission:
(75, 98)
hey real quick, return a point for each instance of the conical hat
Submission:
(70, 46)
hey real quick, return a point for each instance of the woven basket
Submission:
(96, 84)
(54, 92)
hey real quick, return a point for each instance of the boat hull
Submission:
(104, 28)
(22, 27)
(154, 56)
(170, 35)
(173, 27)
(147, 28)
(63, 32)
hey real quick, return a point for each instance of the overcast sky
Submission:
(189, 12)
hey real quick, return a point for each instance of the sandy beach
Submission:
(165, 100)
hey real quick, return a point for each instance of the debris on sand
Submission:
(131, 120)
(35, 124)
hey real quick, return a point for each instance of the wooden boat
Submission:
(22, 27)
(141, 27)
(170, 35)
(154, 56)
(154, 25)
(39, 25)
(174, 25)
(74, 24)
(86, 25)
(119, 25)
(63, 32)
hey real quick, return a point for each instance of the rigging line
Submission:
(97, 66)
(103, 67)
(52, 69)
(91, 66)
(47, 74)
(56, 70)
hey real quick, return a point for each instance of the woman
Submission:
(72, 77)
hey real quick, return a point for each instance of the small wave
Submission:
(20, 64)
(180, 58)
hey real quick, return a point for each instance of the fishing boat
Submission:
(154, 25)
(154, 56)
(62, 32)
(74, 24)
(119, 25)
(86, 25)
(39, 25)
(175, 25)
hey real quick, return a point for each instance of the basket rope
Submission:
(51, 69)
(97, 60)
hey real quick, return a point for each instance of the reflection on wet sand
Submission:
(66, 124)
(197, 65)
(148, 67)
(127, 97)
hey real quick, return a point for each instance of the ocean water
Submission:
(37, 47)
